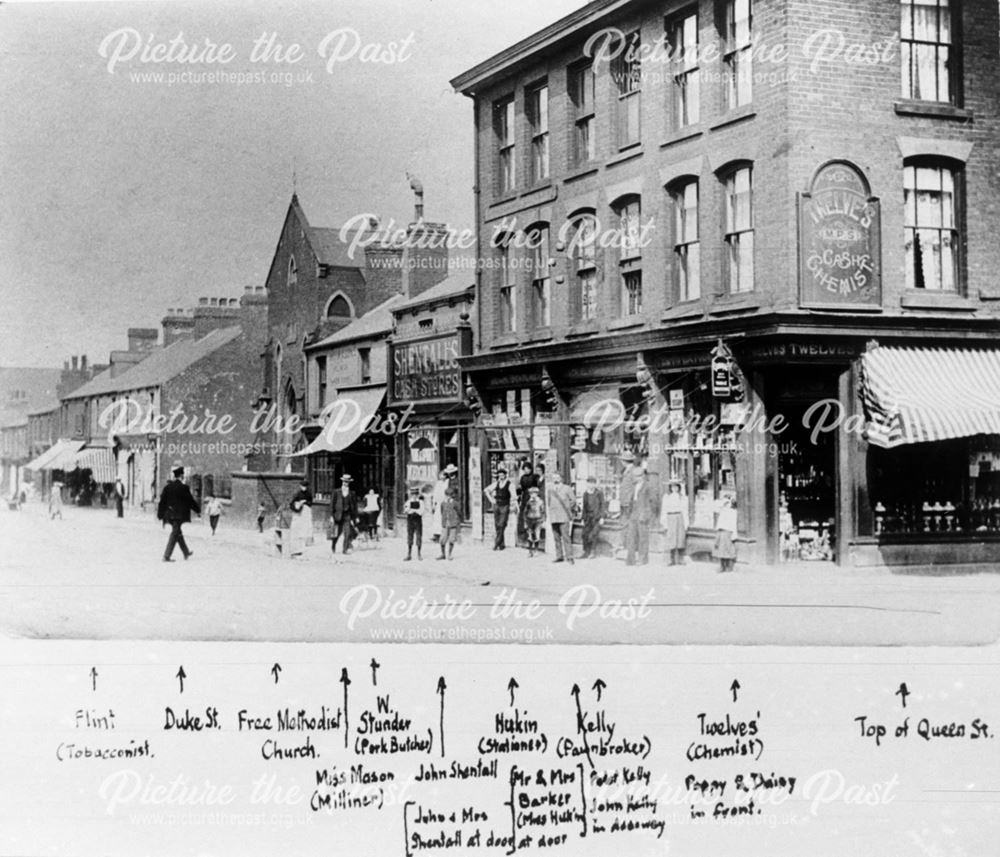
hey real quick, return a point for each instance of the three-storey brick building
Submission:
(752, 243)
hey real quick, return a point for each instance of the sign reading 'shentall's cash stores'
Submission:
(839, 240)
(427, 370)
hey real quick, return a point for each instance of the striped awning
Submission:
(59, 456)
(100, 461)
(916, 395)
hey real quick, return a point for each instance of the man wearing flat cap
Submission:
(175, 508)
(343, 513)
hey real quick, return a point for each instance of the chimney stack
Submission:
(418, 193)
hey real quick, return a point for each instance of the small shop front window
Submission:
(936, 490)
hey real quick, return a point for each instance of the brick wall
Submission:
(807, 108)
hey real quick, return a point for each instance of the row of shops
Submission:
(860, 450)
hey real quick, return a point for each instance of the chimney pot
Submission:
(74, 362)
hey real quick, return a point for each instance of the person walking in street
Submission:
(55, 501)
(594, 509)
(559, 503)
(534, 518)
(673, 520)
(120, 498)
(343, 514)
(450, 521)
(213, 508)
(415, 511)
(641, 513)
(725, 533)
(261, 515)
(498, 493)
(371, 507)
(175, 508)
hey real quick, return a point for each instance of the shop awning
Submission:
(57, 457)
(916, 395)
(101, 463)
(347, 417)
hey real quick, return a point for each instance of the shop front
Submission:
(427, 394)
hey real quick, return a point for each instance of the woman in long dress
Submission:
(725, 533)
(673, 521)
(300, 532)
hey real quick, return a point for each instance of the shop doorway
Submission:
(806, 499)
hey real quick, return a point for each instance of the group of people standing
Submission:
(641, 508)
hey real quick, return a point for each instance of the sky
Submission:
(125, 190)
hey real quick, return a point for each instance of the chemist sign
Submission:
(839, 240)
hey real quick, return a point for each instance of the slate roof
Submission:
(159, 367)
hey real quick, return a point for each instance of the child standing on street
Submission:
(725, 532)
(261, 514)
(450, 521)
(214, 509)
(415, 511)
(534, 517)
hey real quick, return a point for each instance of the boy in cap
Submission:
(415, 511)
(175, 508)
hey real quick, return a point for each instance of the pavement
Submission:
(94, 576)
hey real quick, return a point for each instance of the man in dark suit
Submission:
(641, 514)
(176, 506)
(594, 509)
(343, 514)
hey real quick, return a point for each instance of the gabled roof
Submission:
(159, 367)
(376, 322)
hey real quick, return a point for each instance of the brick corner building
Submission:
(695, 218)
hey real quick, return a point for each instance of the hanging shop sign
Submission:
(722, 372)
(839, 240)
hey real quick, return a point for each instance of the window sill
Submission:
(681, 136)
(626, 323)
(932, 108)
(688, 309)
(590, 169)
(540, 334)
(937, 301)
(504, 340)
(503, 200)
(544, 184)
(583, 328)
(734, 303)
(626, 155)
(741, 114)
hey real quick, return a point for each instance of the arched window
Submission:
(289, 402)
(931, 216)
(339, 307)
(628, 212)
(541, 284)
(293, 272)
(583, 252)
(687, 246)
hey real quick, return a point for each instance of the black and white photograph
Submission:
(461, 351)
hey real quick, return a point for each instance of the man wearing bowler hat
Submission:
(343, 514)
(176, 506)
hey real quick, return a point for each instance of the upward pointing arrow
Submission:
(93, 676)
(735, 686)
(346, 681)
(181, 675)
(441, 689)
(275, 670)
(510, 686)
(902, 693)
(581, 727)
(599, 685)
